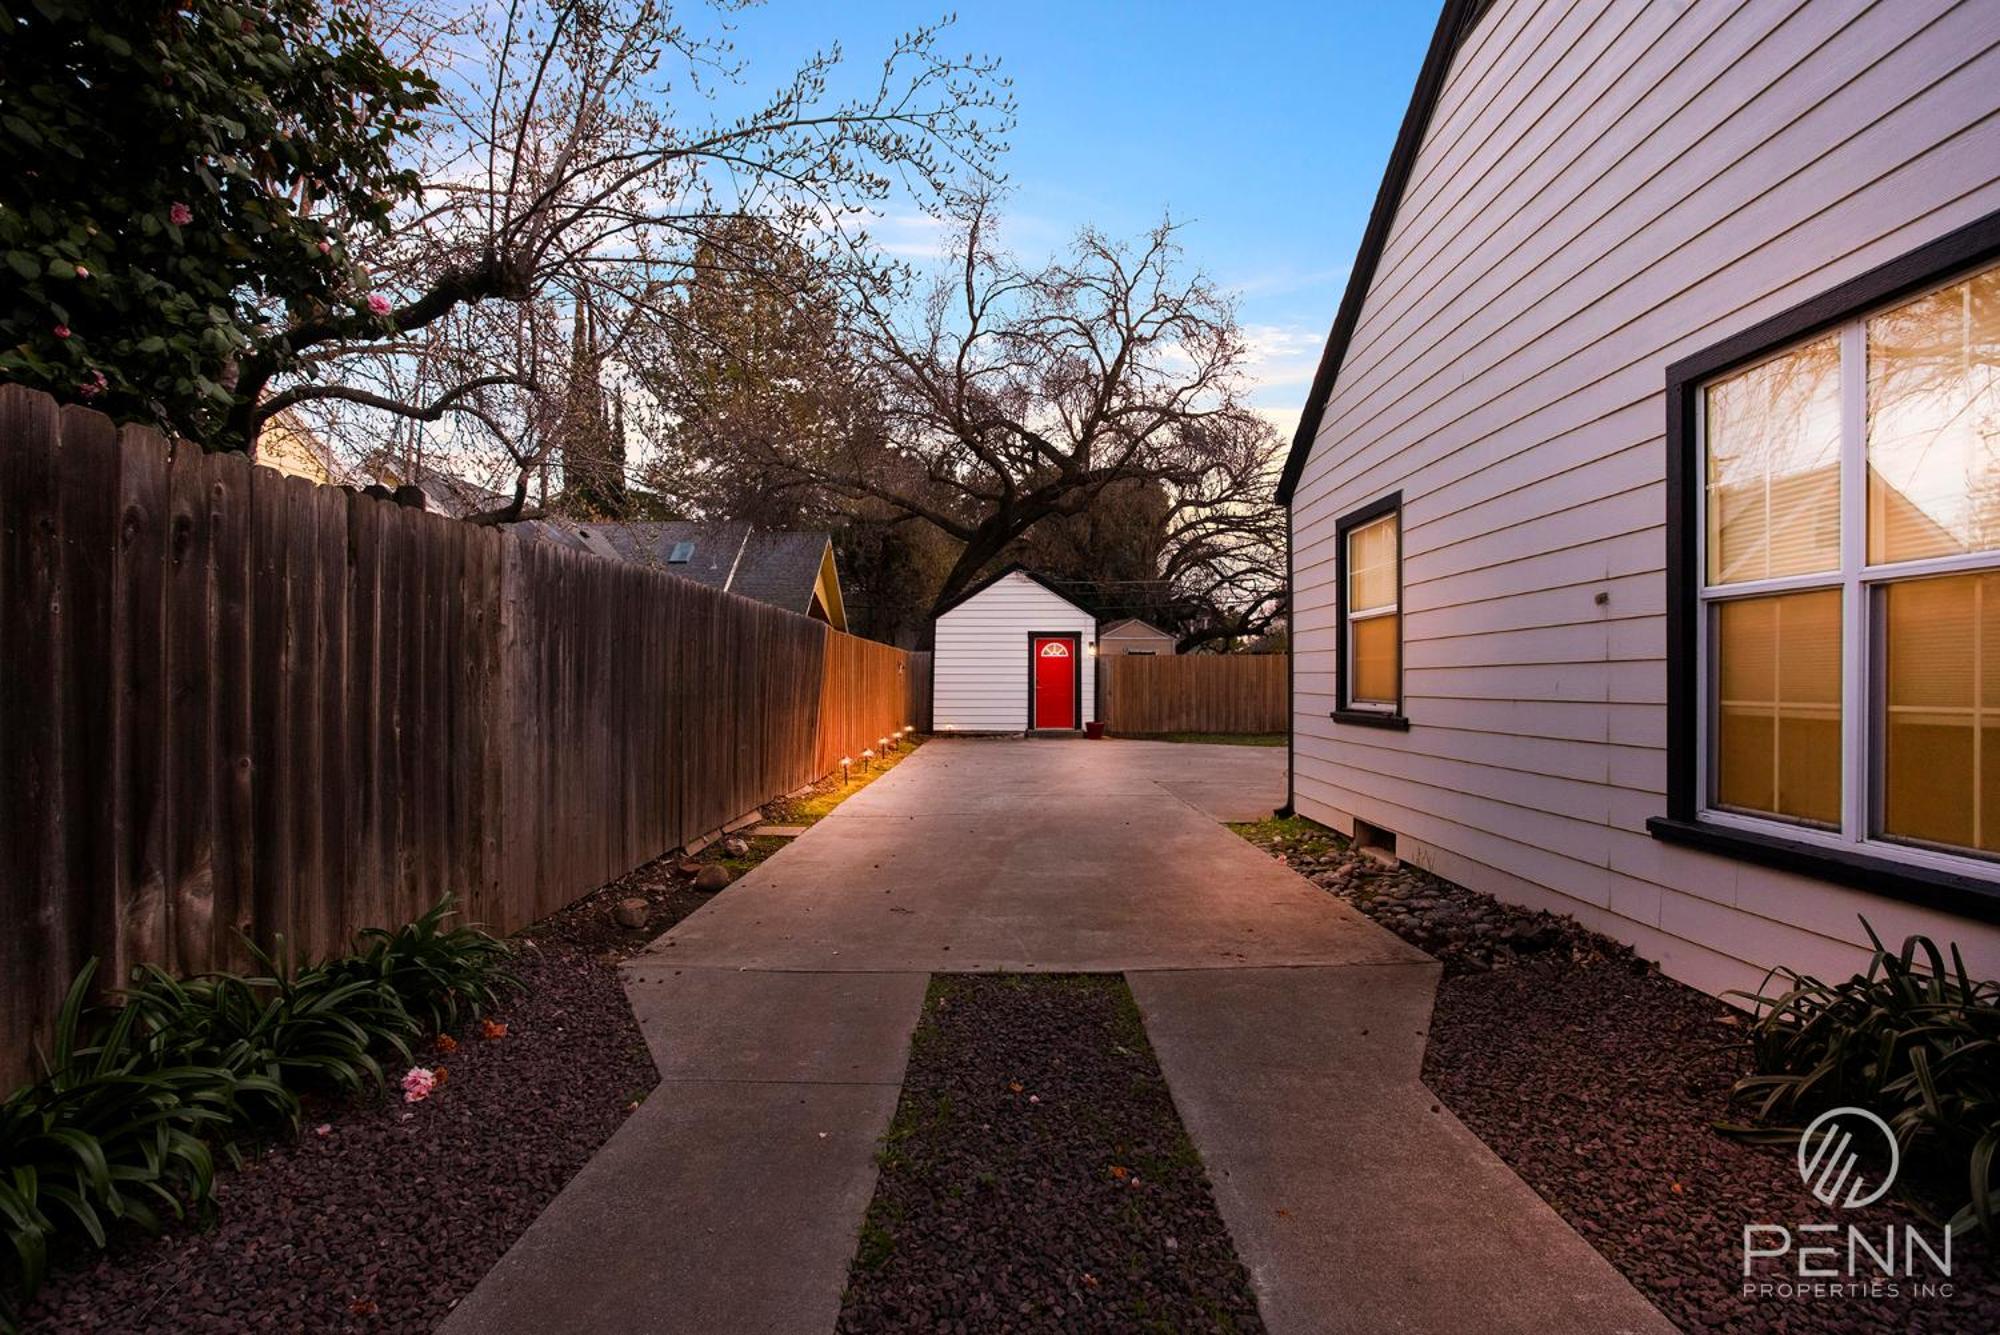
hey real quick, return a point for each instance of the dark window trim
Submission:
(1968, 247)
(1859, 870)
(1347, 523)
(1076, 666)
(1365, 719)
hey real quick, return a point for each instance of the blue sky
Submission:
(1263, 126)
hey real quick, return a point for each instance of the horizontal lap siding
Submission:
(980, 658)
(1604, 188)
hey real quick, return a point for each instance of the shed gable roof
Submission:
(1133, 623)
(1454, 24)
(1013, 568)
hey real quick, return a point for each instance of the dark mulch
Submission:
(1600, 1081)
(665, 884)
(1600, 1086)
(397, 1211)
(1037, 1178)
(1465, 931)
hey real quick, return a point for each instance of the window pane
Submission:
(1934, 424)
(1371, 565)
(1773, 436)
(1777, 717)
(1942, 699)
(1373, 654)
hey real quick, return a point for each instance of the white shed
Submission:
(1013, 653)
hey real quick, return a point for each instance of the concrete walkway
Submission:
(1290, 1029)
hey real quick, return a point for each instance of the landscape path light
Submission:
(866, 756)
(846, 763)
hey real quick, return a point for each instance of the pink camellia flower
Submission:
(82, 272)
(325, 247)
(93, 386)
(62, 331)
(418, 1084)
(180, 215)
(323, 1129)
(378, 304)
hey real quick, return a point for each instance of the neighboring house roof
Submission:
(445, 492)
(1133, 624)
(792, 570)
(1013, 568)
(1454, 24)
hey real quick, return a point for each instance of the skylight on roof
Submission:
(682, 553)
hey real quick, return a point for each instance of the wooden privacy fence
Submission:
(1193, 692)
(231, 700)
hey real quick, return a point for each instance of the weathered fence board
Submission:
(232, 701)
(1193, 693)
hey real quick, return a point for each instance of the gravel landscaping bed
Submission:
(1599, 1081)
(382, 1214)
(1037, 1178)
(621, 919)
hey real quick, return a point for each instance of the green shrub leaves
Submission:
(119, 1126)
(1912, 1040)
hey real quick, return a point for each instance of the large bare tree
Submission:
(582, 174)
(1001, 395)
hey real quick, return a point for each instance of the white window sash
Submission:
(1353, 701)
(1862, 665)
(1348, 699)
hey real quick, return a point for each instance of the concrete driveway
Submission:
(1290, 1029)
(1035, 856)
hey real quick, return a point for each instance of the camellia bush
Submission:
(177, 181)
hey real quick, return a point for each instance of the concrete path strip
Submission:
(732, 1200)
(780, 1014)
(1358, 1202)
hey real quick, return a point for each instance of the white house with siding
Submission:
(1646, 505)
(1012, 654)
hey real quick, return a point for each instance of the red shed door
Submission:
(1055, 681)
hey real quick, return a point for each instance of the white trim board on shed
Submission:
(979, 668)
